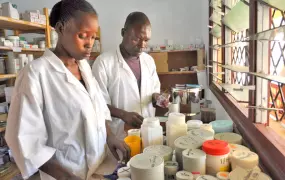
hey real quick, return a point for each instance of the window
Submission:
(252, 90)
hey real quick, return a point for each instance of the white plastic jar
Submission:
(151, 132)
(217, 156)
(184, 175)
(223, 175)
(231, 138)
(175, 128)
(204, 134)
(207, 127)
(206, 177)
(15, 40)
(159, 150)
(170, 170)
(194, 161)
(244, 159)
(193, 124)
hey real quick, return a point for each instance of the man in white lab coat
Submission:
(128, 77)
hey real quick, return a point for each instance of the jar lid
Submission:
(178, 118)
(223, 175)
(145, 161)
(216, 147)
(184, 175)
(235, 147)
(229, 137)
(194, 123)
(240, 173)
(194, 153)
(151, 121)
(220, 126)
(206, 177)
(124, 172)
(247, 158)
(188, 142)
(204, 134)
(159, 150)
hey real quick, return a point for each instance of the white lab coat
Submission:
(120, 88)
(53, 113)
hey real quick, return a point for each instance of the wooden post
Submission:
(48, 29)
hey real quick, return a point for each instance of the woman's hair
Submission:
(64, 10)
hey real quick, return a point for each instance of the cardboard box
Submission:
(9, 11)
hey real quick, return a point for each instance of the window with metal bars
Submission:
(277, 61)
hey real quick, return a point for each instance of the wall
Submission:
(182, 21)
(177, 20)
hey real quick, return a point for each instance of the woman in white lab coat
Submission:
(56, 121)
(128, 77)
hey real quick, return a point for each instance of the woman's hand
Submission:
(115, 144)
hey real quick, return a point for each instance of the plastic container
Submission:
(240, 173)
(124, 172)
(244, 159)
(235, 147)
(23, 60)
(15, 40)
(186, 142)
(231, 138)
(207, 127)
(151, 132)
(134, 142)
(148, 167)
(221, 126)
(184, 175)
(42, 44)
(2, 66)
(8, 93)
(134, 132)
(217, 156)
(30, 58)
(206, 177)
(175, 128)
(204, 134)
(193, 124)
(223, 175)
(159, 150)
(170, 170)
(194, 161)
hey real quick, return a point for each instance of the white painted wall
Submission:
(178, 20)
(181, 20)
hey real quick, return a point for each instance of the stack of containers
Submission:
(193, 124)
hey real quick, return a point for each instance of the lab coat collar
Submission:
(58, 65)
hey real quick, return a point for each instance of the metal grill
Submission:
(277, 61)
(240, 57)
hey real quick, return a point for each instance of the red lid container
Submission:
(216, 147)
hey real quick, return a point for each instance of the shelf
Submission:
(173, 51)
(2, 129)
(18, 49)
(20, 25)
(216, 62)
(7, 76)
(279, 79)
(242, 69)
(238, 17)
(231, 45)
(279, 4)
(177, 72)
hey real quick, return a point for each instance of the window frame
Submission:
(257, 136)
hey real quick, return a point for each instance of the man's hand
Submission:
(161, 100)
(133, 119)
(115, 144)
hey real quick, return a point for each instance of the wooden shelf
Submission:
(177, 72)
(7, 76)
(2, 129)
(18, 49)
(173, 51)
(20, 25)
(278, 79)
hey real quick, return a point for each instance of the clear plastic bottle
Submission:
(151, 132)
